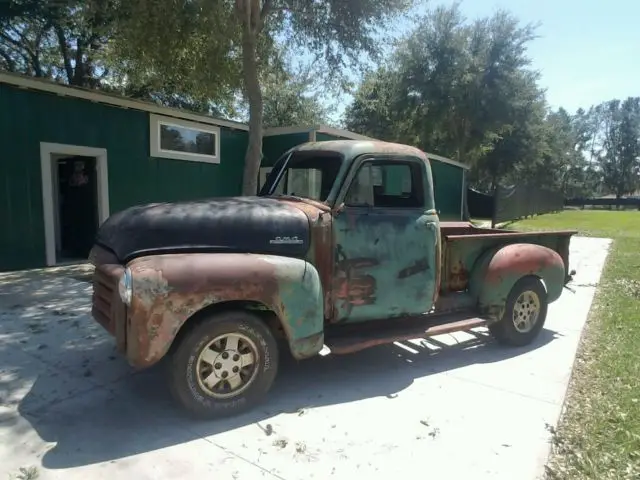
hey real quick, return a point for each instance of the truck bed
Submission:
(463, 243)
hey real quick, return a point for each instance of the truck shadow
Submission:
(135, 414)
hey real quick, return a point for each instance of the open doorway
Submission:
(75, 199)
(76, 205)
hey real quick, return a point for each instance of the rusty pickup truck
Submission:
(341, 250)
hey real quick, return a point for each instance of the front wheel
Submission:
(524, 314)
(225, 365)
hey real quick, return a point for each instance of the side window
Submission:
(360, 192)
(387, 185)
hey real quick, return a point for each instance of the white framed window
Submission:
(184, 140)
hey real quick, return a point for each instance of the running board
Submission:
(359, 336)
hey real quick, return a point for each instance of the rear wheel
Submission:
(225, 365)
(524, 314)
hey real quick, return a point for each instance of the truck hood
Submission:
(234, 224)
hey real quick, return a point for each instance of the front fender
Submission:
(169, 289)
(498, 269)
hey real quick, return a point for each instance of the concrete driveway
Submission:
(458, 406)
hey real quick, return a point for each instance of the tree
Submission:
(63, 40)
(292, 99)
(72, 42)
(620, 156)
(214, 35)
(519, 152)
(461, 89)
(376, 106)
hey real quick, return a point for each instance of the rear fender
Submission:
(170, 289)
(497, 270)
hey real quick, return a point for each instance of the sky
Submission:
(587, 51)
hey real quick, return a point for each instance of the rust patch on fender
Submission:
(169, 289)
(522, 259)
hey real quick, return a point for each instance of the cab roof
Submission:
(353, 148)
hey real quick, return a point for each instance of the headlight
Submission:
(125, 287)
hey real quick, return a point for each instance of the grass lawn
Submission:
(599, 433)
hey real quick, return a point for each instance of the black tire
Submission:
(505, 330)
(184, 365)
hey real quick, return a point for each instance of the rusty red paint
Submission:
(521, 259)
(352, 287)
(397, 149)
(320, 220)
(193, 281)
(458, 277)
(455, 231)
(309, 206)
(171, 288)
(404, 328)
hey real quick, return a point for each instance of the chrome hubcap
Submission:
(526, 311)
(227, 365)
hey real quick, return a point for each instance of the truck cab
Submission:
(341, 250)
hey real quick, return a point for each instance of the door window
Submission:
(387, 185)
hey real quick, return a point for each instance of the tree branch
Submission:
(64, 50)
(21, 50)
(266, 8)
(79, 76)
(10, 62)
(12, 41)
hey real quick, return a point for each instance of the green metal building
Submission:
(74, 156)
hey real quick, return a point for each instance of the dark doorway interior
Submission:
(77, 189)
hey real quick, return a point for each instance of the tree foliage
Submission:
(465, 90)
(619, 148)
(453, 87)
(62, 40)
(293, 100)
(222, 45)
(72, 42)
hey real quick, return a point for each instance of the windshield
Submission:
(303, 174)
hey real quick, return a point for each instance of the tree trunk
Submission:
(253, 91)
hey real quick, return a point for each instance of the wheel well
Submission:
(259, 309)
(533, 276)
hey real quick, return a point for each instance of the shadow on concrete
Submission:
(135, 414)
(61, 372)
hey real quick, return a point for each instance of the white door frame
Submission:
(48, 200)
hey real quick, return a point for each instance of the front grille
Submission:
(107, 308)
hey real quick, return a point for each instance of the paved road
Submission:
(457, 407)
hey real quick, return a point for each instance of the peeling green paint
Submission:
(301, 303)
(386, 263)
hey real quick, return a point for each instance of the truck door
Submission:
(387, 234)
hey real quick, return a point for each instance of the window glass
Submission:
(306, 174)
(188, 140)
(387, 185)
(361, 189)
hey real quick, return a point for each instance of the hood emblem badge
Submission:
(286, 241)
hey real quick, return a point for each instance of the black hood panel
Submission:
(236, 224)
